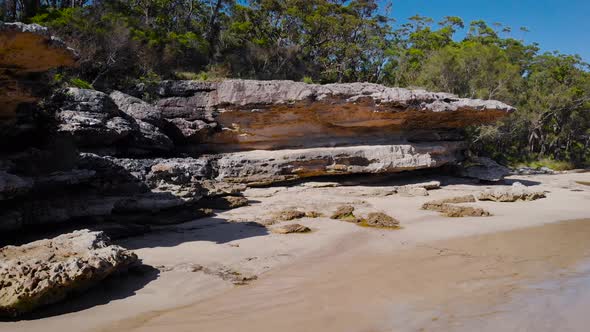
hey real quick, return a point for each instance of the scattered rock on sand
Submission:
(517, 192)
(225, 202)
(456, 211)
(446, 207)
(410, 191)
(344, 212)
(438, 205)
(290, 214)
(46, 271)
(380, 219)
(313, 214)
(293, 228)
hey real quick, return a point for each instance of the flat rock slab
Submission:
(517, 192)
(282, 165)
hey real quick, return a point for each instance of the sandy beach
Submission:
(526, 268)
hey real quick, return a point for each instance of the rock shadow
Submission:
(112, 288)
(211, 229)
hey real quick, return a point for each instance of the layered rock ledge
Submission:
(161, 153)
(238, 115)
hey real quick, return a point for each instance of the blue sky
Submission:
(556, 25)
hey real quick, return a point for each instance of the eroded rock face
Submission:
(27, 49)
(47, 271)
(95, 120)
(126, 160)
(285, 114)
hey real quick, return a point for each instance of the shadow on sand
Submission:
(211, 229)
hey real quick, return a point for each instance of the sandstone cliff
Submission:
(111, 156)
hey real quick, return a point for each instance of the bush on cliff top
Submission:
(326, 41)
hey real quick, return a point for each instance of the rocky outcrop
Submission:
(96, 122)
(25, 51)
(47, 271)
(284, 114)
(112, 157)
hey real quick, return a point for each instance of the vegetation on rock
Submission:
(125, 42)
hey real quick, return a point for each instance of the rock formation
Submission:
(112, 157)
(25, 51)
(46, 271)
(516, 192)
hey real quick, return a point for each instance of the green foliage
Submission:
(80, 83)
(126, 42)
(555, 165)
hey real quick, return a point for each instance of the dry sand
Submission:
(518, 270)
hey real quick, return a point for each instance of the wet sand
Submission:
(506, 281)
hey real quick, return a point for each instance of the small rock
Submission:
(313, 214)
(463, 211)
(225, 202)
(438, 205)
(380, 219)
(289, 214)
(344, 212)
(293, 228)
(412, 191)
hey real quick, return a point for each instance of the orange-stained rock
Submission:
(26, 49)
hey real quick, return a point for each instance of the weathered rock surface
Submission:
(344, 212)
(116, 158)
(438, 205)
(448, 207)
(47, 271)
(27, 49)
(280, 165)
(517, 192)
(292, 228)
(95, 120)
(289, 214)
(484, 169)
(285, 114)
(225, 202)
(380, 220)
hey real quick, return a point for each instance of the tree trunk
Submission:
(213, 29)
(31, 7)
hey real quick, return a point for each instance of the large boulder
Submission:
(484, 169)
(47, 271)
